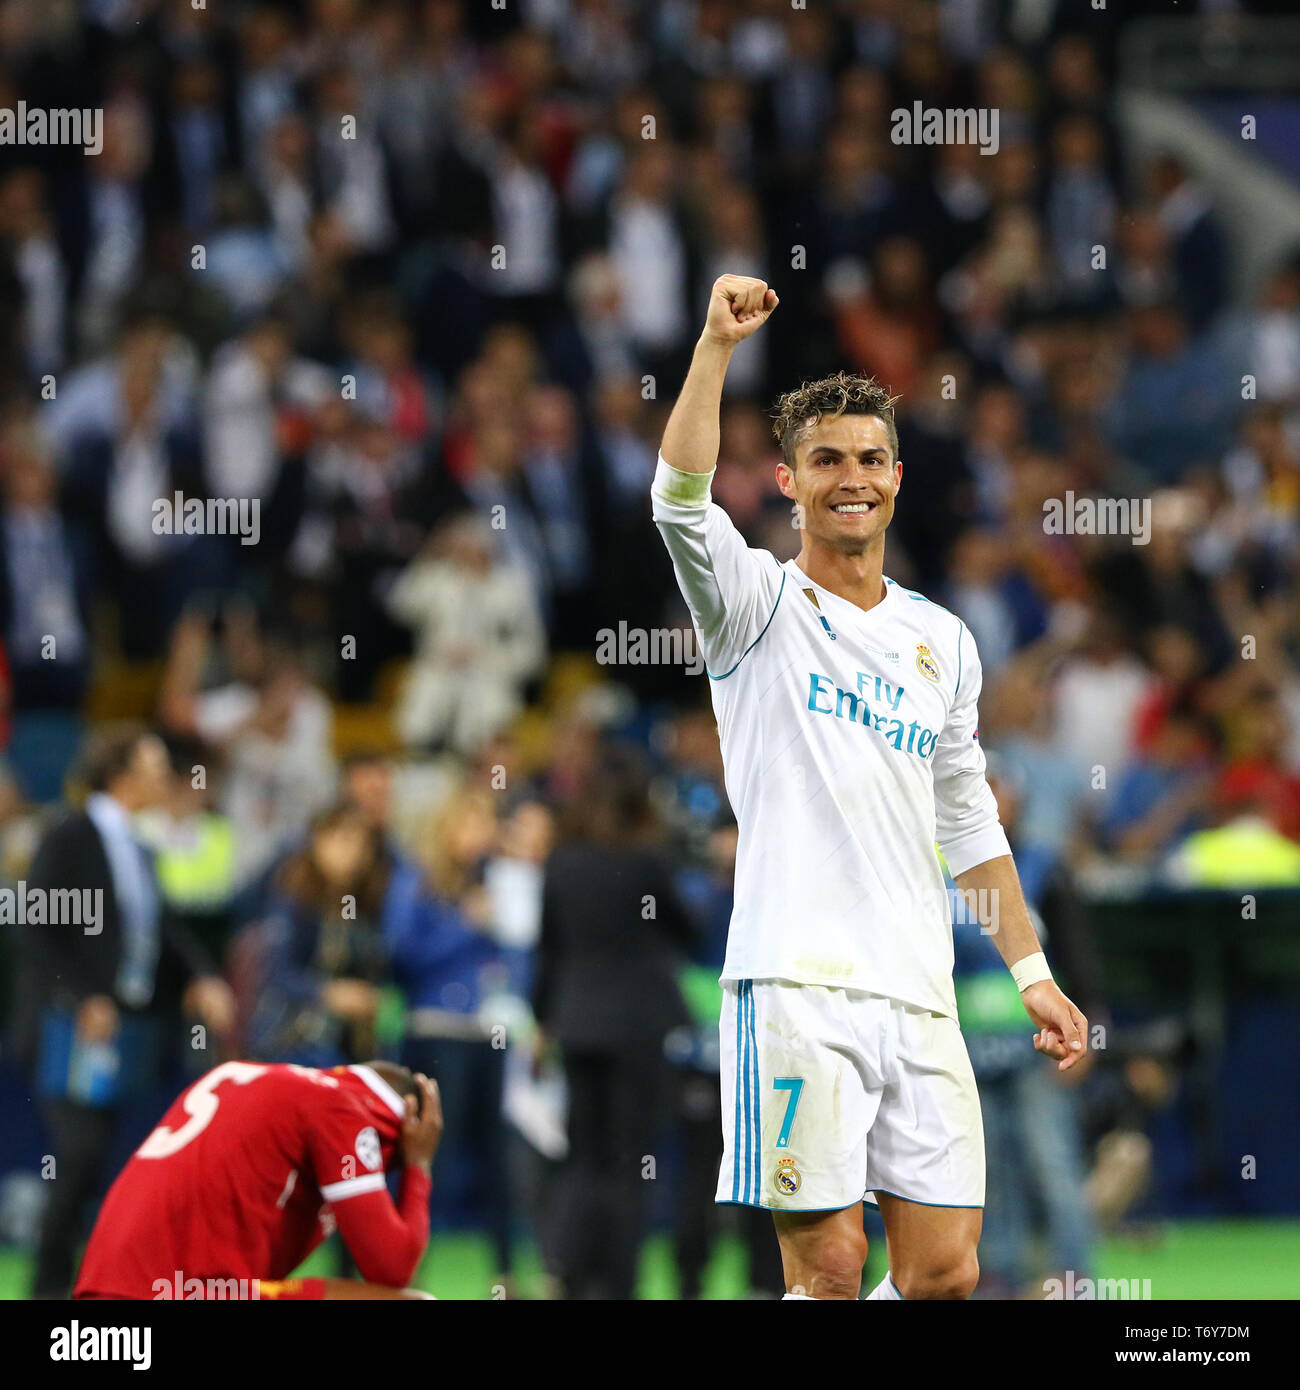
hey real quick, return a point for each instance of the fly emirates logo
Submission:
(873, 705)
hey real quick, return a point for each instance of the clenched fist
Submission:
(738, 305)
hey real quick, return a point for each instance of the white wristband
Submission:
(1029, 970)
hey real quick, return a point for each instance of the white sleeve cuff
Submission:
(353, 1187)
(681, 489)
(975, 847)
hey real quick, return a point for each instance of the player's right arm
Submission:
(730, 589)
(738, 306)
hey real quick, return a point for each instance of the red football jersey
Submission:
(244, 1177)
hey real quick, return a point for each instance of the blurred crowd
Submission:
(421, 280)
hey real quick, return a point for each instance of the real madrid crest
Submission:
(787, 1179)
(926, 664)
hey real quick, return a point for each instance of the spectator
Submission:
(1160, 797)
(1255, 776)
(322, 938)
(99, 1003)
(46, 577)
(1098, 694)
(607, 995)
(480, 639)
(269, 723)
(1199, 253)
(1172, 411)
(1032, 1130)
(449, 968)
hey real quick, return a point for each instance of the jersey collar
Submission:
(382, 1089)
(793, 568)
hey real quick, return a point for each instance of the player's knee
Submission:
(965, 1277)
(949, 1279)
(837, 1265)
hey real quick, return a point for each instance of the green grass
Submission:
(1191, 1259)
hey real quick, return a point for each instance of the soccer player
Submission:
(252, 1167)
(846, 709)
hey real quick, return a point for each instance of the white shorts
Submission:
(832, 1095)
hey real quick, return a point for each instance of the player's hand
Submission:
(738, 305)
(211, 999)
(421, 1132)
(96, 1019)
(355, 1001)
(1062, 1029)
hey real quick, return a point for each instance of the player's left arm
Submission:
(387, 1241)
(995, 887)
(978, 855)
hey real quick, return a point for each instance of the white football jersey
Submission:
(850, 745)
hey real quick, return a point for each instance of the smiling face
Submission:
(845, 480)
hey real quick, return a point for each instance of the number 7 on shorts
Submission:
(793, 1084)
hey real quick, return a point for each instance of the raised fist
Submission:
(738, 305)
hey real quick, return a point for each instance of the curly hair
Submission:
(803, 409)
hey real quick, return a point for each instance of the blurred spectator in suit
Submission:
(1200, 253)
(46, 577)
(29, 245)
(116, 470)
(708, 891)
(259, 418)
(607, 995)
(99, 1001)
(648, 245)
(1081, 207)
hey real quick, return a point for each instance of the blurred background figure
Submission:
(1032, 1133)
(46, 570)
(480, 640)
(104, 990)
(606, 996)
(322, 943)
(438, 359)
(708, 891)
(449, 967)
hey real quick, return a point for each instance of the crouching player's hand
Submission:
(1062, 1028)
(422, 1127)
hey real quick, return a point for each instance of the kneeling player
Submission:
(252, 1167)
